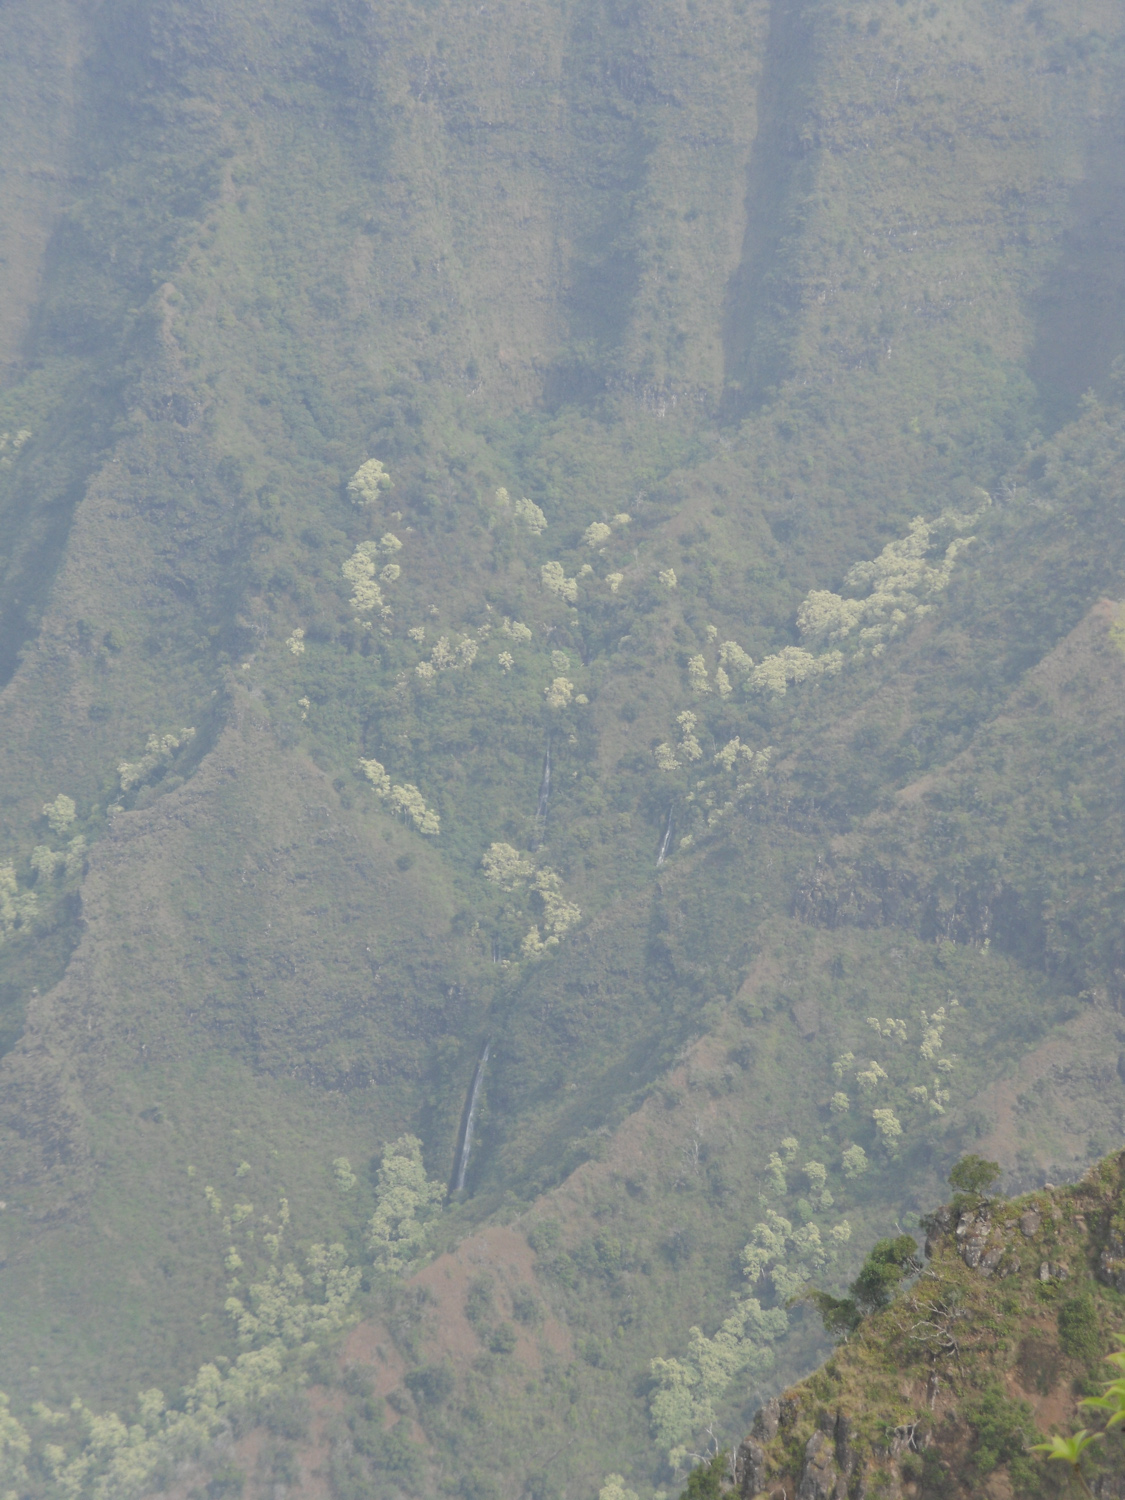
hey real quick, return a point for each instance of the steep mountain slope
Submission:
(1004, 1331)
(656, 320)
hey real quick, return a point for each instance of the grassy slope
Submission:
(979, 1364)
(293, 245)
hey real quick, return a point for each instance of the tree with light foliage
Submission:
(889, 1128)
(374, 772)
(359, 570)
(870, 1077)
(773, 674)
(892, 1028)
(368, 482)
(559, 915)
(697, 675)
(515, 631)
(506, 867)
(775, 1170)
(854, 1161)
(614, 1489)
(17, 908)
(89, 1455)
(732, 656)
(891, 589)
(524, 511)
(60, 813)
(405, 1202)
(408, 802)
(690, 747)
(277, 1307)
(559, 692)
(47, 862)
(683, 1401)
(556, 582)
(160, 751)
(405, 801)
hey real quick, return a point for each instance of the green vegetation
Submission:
(959, 1376)
(591, 530)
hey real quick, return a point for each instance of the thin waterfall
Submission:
(470, 1120)
(545, 784)
(667, 840)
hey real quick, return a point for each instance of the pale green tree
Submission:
(368, 482)
(17, 908)
(532, 517)
(556, 582)
(405, 1200)
(889, 1128)
(60, 813)
(506, 867)
(854, 1161)
(614, 1489)
(346, 1180)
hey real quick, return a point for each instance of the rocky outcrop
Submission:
(750, 1456)
(909, 1374)
(819, 1475)
(1111, 1262)
(749, 1468)
(973, 1230)
(767, 1420)
(830, 1457)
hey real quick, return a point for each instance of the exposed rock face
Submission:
(749, 1468)
(991, 1259)
(819, 1475)
(750, 1456)
(1111, 1262)
(1030, 1222)
(1052, 1271)
(973, 1231)
(766, 1421)
(830, 1456)
(936, 1225)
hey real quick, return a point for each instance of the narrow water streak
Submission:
(470, 1120)
(545, 785)
(667, 840)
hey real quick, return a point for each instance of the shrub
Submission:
(431, 1385)
(525, 1308)
(1004, 1429)
(882, 1271)
(1079, 1333)
(705, 1482)
(504, 1339)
